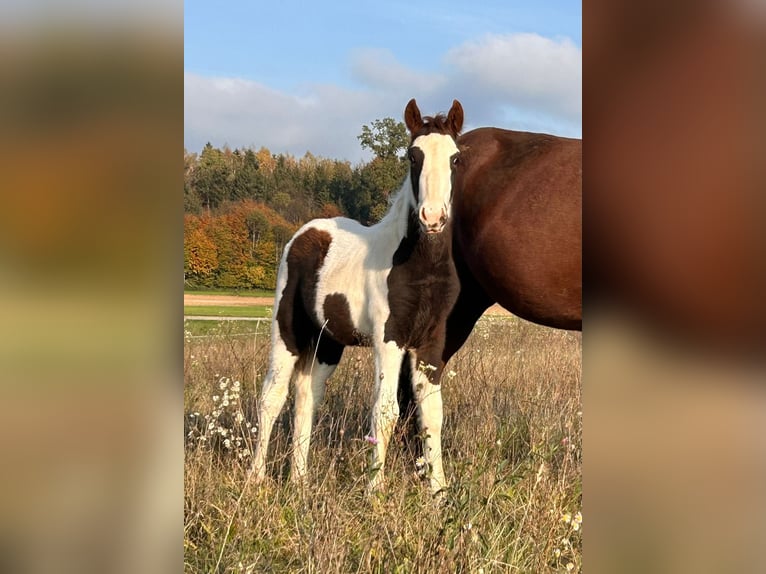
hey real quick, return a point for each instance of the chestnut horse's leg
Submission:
(470, 305)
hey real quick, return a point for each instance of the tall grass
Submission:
(512, 448)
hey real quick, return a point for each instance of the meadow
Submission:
(512, 447)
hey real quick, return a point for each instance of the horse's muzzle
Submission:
(433, 221)
(433, 228)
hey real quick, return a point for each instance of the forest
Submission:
(241, 206)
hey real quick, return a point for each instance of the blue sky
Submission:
(297, 76)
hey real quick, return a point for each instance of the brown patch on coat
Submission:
(339, 324)
(295, 315)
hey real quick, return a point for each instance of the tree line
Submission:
(241, 206)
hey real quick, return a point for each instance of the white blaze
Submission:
(435, 183)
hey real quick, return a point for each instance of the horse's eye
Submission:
(455, 160)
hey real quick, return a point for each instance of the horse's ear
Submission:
(412, 116)
(455, 117)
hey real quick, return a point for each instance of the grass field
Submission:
(228, 310)
(512, 448)
(241, 292)
(223, 329)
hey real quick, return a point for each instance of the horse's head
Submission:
(433, 156)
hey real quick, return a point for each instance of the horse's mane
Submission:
(400, 204)
(435, 124)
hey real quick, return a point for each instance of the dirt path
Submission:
(244, 300)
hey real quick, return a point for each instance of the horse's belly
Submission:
(341, 309)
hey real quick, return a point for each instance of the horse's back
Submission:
(324, 277)
(508, 152)
(518, 209)
(313, 241)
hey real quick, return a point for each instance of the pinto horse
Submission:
(517, 230)
(389, 286)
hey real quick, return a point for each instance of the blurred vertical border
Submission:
(91, 132)
(675, 258)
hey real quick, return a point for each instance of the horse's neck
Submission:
(426, 252)
(395, 225)
(400, 230)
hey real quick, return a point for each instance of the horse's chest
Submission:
(421, 294)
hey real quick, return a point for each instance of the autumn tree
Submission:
(200, 252)
(239, 247)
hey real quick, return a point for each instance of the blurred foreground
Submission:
(91, 122)
(675, 329)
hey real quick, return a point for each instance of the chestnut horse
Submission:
(517, 237)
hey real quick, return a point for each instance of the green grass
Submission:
(512, 445)
(228, 310)
(212, 328)
(236, 292)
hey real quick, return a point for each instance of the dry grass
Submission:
(512, 447)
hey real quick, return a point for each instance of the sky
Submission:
(297, 76)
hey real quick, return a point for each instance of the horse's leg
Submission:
(408, 409)
(427, 392)
(470, 305)
(309, 392)
(385, 411)
(429, 397)
(273, 396)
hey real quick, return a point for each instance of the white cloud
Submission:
(242, 113)
(379, 69)
(518, 81)
(526, 71)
